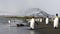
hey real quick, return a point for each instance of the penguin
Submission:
(32, 23)
(56, 22)
(40, 19)
(47, 20)
(9, 21)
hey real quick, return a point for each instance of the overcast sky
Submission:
(17, 7)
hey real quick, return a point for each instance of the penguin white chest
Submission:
(9, 21)
(46, 20)
(32, 23)
(56, 22)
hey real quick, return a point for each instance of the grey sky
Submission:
(17, 7)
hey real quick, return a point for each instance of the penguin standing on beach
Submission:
(32, 22)
(40, 19)
(56, 22)
(9, 22)
(47, 20)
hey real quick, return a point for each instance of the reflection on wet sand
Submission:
(32, 32)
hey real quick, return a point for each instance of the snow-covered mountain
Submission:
(36, 12)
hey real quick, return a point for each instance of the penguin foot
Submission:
(46, 24)
(32, 29)
(55, 27)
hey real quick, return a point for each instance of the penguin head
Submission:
(56, 14)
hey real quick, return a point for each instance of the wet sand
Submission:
(48, 29)
(7, 29)
(42, 29)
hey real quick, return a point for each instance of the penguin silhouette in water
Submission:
(56, 22)
(32, 24)
(47, 20)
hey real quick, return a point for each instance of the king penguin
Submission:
(9, 22)
(32, 23)
(47, 20)
(56, 22)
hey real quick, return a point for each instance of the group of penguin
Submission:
(32, 22)
(55, 24)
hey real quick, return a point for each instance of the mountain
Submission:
(36, 12)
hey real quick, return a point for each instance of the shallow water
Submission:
(6, 29)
